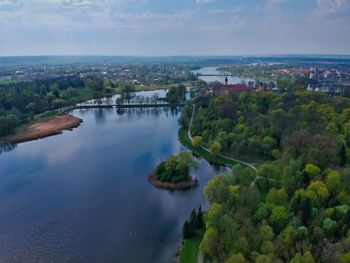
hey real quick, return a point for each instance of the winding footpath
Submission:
(200, 257)
(250, 165)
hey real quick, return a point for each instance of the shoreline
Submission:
(152, 178)
(44, 128)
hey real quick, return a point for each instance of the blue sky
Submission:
(174, 27)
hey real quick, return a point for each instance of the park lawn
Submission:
(191, 247)
(85, 93)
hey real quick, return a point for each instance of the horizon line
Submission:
(183, 55)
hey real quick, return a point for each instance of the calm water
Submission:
(213, 70)
(83, 196)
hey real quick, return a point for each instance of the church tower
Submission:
(226, 81)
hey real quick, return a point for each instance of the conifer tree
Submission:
(186, 230)
(200, 221)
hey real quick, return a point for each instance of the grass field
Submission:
(191, 247)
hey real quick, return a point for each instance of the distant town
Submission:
(328, 76)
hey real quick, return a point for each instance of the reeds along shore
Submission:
(44, 128)
(191, 183)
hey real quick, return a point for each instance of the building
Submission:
(225, 89)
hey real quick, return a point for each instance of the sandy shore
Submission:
(44, 128)
(152, 178)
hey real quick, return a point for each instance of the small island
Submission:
(174, 173)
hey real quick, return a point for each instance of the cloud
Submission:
(226, 11)
(331, 9)
(9, 5)
(274, 3)
(205, 1)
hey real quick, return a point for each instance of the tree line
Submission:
(21, 101)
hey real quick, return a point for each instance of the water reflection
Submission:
(83, 196)
(7, 146)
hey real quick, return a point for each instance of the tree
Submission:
(186, 234)
(196, 141)
(176, 168)
(266, 233)
(306, 258)
(200, 220)
(193, 222)
(312, 170)
(277, 197)
(233, 196)
(216, 190)
(237, 258)
(342, 155)
(279, 217)
(211, 244)
(318, 193)
(333, 183)
(215, 148)
(263, 259)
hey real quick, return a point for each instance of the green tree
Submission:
(237, 258)
(312, 170)
(200, 220)
(318, 193)
(306, 258)
(215, 148)
(196, 141)
(186, 234)
(277, 197)
(216, 190)
(279, 217)
(333, 182)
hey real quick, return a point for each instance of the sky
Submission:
(174, 27)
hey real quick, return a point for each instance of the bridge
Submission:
(214, 75)
(120, 106)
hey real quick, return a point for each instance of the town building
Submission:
(225, 89)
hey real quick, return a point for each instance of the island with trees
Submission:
(174, 173)
(296, 206)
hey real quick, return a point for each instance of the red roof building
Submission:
(225, 89)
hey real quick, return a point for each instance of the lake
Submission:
(221, 79)
(83, 196)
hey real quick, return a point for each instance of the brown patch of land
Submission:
(44, 128)
(153, 179)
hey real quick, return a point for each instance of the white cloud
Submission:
(331, 8)
(274, 3)
(226, 11)
(204, 1)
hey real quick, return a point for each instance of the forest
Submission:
(296, 208)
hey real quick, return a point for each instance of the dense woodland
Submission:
(297, 207)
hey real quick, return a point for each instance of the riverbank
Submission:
(152, 178)
(44, 127)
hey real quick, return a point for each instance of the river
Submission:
(83, 196)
